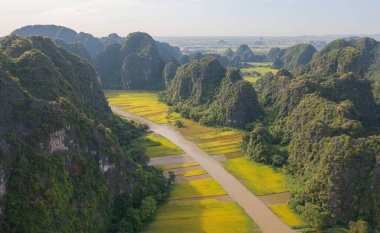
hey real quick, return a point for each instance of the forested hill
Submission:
(360, 57)
(206, 92)
(292, 57)
(92, 44)
(86, 45)
(322, 122)
(67, 163)
(244, 54)
(137, 63)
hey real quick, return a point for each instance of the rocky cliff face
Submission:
(66, 160)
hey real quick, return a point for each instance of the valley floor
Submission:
(202, 185)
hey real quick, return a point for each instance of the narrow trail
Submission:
(253, 206)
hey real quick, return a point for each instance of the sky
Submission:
(197, 17)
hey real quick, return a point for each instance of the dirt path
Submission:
(253, 206)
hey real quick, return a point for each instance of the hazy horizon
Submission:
(198, 18)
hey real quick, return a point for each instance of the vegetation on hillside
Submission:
(137, 63)
(67, 163)
(92, 44)
(292, 57)
(204, 91)
(244, 54)
(321, 122)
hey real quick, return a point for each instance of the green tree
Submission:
(359, 226)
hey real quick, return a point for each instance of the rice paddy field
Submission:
(196, 188)
(288, 216)
(190, 173)
(260, 179)
(142, 103)
(251, 79)
(260, 64)
(203, 216)
(260, 68)
(176, 166)
(146, 104)
(212, 140)
(177, 217)
(194, 207)
(164, 147)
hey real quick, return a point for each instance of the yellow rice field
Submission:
(260, 179)
(288, 216)
(196, 188)
(191, 173)
(213, 140)
(165, 148)
(175, 166)
(257, 67)
(142, 103)
(251, 79)
(261, 70)
(146, 104)
(202, 216)
(209, 215)
(260, 64)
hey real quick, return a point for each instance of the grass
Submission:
(207, 216)
(196, 188)
(175, 166)
(165, 147)
(288, 216)
(260, 179)
(191, 173)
